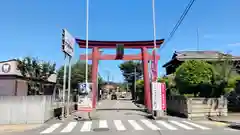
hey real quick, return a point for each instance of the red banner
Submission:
(163, 93)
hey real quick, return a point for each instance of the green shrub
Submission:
(194, 77)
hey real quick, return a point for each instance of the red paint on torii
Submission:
(144, 56)
(113, 57)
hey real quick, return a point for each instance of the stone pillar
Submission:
(95, 55)
(147, 92)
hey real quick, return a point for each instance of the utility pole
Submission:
(197, 40)
(135, 83)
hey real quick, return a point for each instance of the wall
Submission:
(197, 107)
(7, 87)
(25, 109)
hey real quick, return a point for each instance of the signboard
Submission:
(85, 97)
(158, 96)
(6, 68)
(163, 95)
(68, 42)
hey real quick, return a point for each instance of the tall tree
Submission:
(78, 74)
(35, 71)
(128, 71)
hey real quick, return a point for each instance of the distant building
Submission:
(179, 57)
(12, 83)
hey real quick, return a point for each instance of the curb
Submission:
(18, 128)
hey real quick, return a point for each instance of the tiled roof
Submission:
(193, 55)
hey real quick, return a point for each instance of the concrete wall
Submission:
(25, 109)
(197, 107)
(7, 87)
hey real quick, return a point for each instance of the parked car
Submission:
(114, 96)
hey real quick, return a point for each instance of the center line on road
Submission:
(86, 126)
(119, 125)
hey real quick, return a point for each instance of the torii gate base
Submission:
(144, 56)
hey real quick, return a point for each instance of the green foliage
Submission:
(194, 75)
(34, 69)
(225, 75)
(170, 84)
(128, 70)
(78, 74)
(140, 90)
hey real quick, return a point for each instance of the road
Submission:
(123, 117)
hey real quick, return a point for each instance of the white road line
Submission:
(103, 124)
(135, 125)
(181, 125)
(165, 124)
(119, 125)
(86, 126)
(196, 125)
(69, 127)
(51, 129)
(150, 125)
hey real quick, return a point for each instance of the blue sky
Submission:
(34, 27)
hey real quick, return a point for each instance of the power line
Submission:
(178, 23)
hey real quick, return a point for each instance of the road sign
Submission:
(156, 96)
(68, 42)
(85, 102)
(163, 95)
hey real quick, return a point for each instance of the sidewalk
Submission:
(17, 128)
(232, 120)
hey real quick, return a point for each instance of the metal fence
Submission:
(25, 109)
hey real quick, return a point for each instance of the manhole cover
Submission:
(100, 129)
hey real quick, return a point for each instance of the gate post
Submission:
(95, 56)
(147, 93)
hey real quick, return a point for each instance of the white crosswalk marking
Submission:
(52, 128)
(69, 127)
(119, 125)
(122, 125)
(181, 125)
(165, 124)
(103, 124)
(135, 125)
(196, 125)
(150, 125)
(86, 126)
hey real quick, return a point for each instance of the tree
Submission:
(194, 77)
(128, 71)
(78, 74)
(35, 71)
(225, 75)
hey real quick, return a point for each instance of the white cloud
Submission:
(234, 44)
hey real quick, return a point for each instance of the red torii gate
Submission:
(144, 56)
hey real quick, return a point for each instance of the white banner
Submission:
(68, 43)
(156, 96)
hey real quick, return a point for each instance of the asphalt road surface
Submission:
(122, 117)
